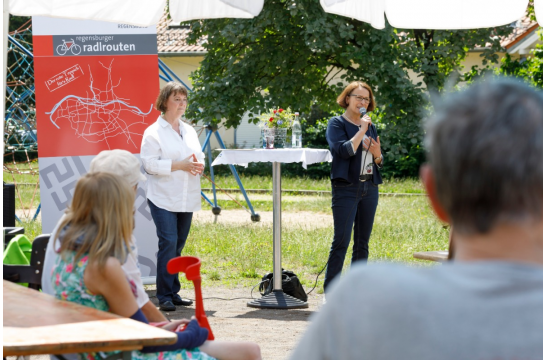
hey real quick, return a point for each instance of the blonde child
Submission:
(95, 240)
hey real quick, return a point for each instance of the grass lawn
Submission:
(26, 179)
(238, 255)
(407, 186)
(26, 172)
(27, 193)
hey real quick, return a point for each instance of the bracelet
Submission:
(380, 157)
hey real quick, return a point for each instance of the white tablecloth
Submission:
(244, 156)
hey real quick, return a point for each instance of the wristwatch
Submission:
(377, 158)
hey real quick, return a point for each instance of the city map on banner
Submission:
(94, 89)
(96, 84)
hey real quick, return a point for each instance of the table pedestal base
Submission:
(277, 299)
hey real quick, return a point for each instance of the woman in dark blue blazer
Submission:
(355, 176)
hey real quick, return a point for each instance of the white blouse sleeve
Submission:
(150, 154)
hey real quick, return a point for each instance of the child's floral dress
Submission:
(68, 284)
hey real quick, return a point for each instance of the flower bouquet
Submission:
(275, 124)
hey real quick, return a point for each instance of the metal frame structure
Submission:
(20, 92)
(19, 121)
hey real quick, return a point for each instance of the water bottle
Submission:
(296, 133)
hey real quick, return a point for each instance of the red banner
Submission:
(90, 95)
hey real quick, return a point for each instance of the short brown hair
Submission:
(341, 100)
(169, 89)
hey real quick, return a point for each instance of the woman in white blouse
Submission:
(173, 160)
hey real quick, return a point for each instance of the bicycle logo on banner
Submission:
(68, 46)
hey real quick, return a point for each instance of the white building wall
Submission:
(247, 135)
(182, 66)
(474, 58)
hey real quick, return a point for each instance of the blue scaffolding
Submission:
(20, 116)
(20, 137)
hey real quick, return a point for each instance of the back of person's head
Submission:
(99, 221)
(485, 148)
(119, 162)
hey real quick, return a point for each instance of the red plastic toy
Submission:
(191, 266)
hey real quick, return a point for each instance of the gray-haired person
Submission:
(484, 176)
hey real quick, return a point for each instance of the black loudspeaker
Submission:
(9, 205)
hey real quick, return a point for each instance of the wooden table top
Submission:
(37, 323)
(432, 255)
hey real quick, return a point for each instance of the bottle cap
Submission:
(296, 114)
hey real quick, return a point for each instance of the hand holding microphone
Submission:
(369, 143)
(365, 119)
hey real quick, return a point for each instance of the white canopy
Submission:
(136, 12)
(405, 14)
(433, 14)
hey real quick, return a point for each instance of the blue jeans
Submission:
(172, 231)
(354, 205)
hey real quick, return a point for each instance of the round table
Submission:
(277, 299)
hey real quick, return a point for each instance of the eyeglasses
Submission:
(361, 98)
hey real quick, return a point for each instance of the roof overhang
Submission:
(525, 45)
(182, 54)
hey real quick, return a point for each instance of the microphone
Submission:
(363, 111)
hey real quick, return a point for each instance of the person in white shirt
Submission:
(173, 160)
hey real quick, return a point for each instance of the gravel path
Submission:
(302, 219)
(276, 331)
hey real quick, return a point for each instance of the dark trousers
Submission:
(172, 231)
(354, 205)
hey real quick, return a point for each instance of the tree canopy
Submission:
(294, 54)
(530, 69)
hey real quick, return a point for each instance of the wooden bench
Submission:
(37, 323)
(439, 256)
